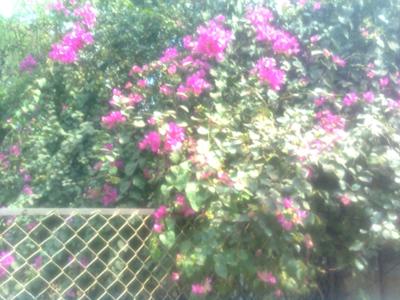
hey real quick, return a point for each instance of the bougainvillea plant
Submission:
(267, 141)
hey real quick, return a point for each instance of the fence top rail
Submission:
(74, 211)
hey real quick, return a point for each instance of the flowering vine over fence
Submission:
(272, 146)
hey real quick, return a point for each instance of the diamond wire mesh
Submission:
(82, 254)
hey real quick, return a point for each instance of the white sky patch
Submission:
(7, 7)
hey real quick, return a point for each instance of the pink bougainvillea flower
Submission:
(28, 64)
(329, 121)
(158, 227)
(268, 73)
(202, 289)
(135, 70)
(196, 83)
(181, 202)
(37, 262)
(6, 260)
(337, 60)
(284, 222)
(174, 137)
(166, 89)
(87, 14)
(369, 97)
(287, 202)
(317, 6)
(350, 99)
(182, 92)
(110, 194)
(267, 277)
(314, 38)
(151, 121)
(15, 150)
(112, 119)
(171, 70)
(345, 200)
(175, 276)
(211, 41)
(282, 42)
(151, 141)
(384, 82)
(319, 101)
(142, 83)
(169, 54)
(160, 213)
(66, 51)
(27, 190)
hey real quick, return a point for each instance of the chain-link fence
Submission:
(82, 254)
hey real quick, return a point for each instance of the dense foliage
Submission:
(267, 132)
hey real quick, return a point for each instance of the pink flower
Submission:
(141, 83)
(135, 70)
(317, 6)
(135, 98)
(285, 43)
(160, 213)
(151, 121)
(169, 54)
(315, 38)
(15, 150)
(329, 121)
(110, 195)
(384, 82)
(6, 260)
(278, 293)
(285, 223)
(171, 69)
(308, 242)
(282, 42)
(211, 41)
(158, 227)
(287, 202)
(319, 101)
(369, 97)
(151, 141)
(175, 276)
(350, 99)
(338, 61)
(37, 262)
(182, 92)
(346, 201)
(202, 288)
(27, 190)
(87, 15)
(28, 64)
(186, 210)
(166, 90)
(196, 83)
(267, 277)
(112, 119)
(66, 51)
(174, 137)
(268, 73)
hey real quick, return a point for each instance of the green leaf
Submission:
(220, 266)
(193, 195)
(168, 238)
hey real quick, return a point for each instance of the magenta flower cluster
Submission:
(282, 42)
(28, 64)
(113, 119)
(212, 39)
(173, 139)
(67, 50)
(269, 73)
